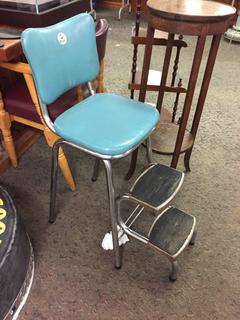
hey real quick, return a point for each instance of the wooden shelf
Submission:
(160, 38)
(164, 138)
(166, 115)
(153, 84)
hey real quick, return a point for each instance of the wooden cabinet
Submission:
(117, 4)
(22, 14)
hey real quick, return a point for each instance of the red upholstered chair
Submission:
(19, 103)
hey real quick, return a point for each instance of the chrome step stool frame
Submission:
(172, 230)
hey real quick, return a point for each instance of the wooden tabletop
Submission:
(192, 11)
(11, 50)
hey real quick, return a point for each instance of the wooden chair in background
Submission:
(19, 103)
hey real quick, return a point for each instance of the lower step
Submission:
(172, 231)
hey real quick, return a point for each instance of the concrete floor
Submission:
(75, 277)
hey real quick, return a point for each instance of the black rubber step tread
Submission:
(157, 185)
(171, 230)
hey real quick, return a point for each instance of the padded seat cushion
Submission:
(18, 102)
(107, 123)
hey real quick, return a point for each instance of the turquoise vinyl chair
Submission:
(104, 125)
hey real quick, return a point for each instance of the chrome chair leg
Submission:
(54, 172)
(96, 170)
(113, 213)
(149, 150)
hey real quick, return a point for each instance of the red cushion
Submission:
(18, 102)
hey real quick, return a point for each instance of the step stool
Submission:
(172, 230)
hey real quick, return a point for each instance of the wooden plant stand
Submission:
(205, 19)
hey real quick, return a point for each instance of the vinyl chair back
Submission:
(46, 50)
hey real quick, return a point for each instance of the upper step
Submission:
(157, 186)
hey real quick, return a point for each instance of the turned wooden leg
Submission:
(51, 138)
(5, 125)
(101, 86)
(80, 95)
(187, 157)
(63, 164)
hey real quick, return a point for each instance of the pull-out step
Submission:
(157, 186)
(170, 233)
(172, 230)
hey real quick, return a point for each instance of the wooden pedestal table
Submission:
(185, 17)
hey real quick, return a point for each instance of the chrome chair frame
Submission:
(108, 169)
(51, 82)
